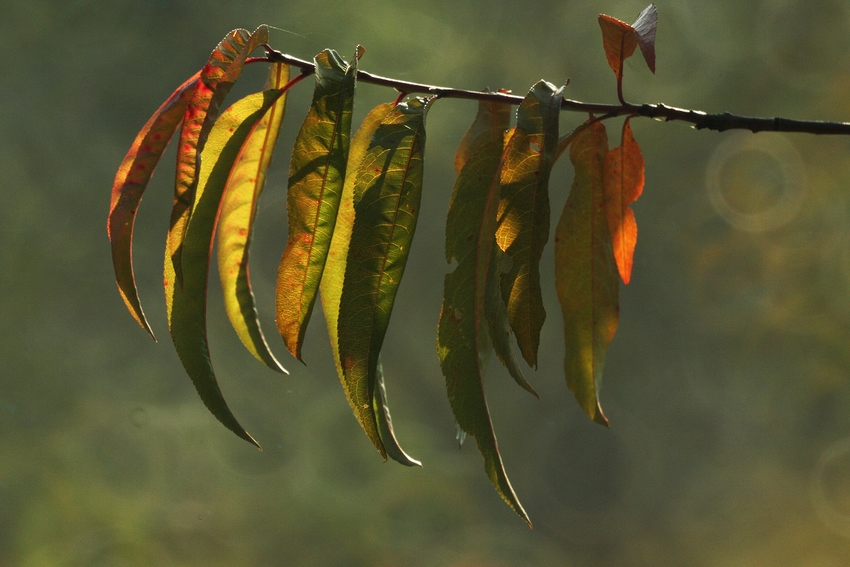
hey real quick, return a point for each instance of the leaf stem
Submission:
(698, 119)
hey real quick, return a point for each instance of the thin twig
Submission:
(700, 120)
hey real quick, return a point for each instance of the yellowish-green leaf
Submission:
(187, 318)
(523, 217)
(132, 179)
(586, 276)
(316, 178)
(334, 273)
(236, 222)
(387, 191)
(462, 333)
(217, 78)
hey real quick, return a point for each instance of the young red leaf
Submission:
(623, 181)
(644, 27)
(586, 276)
(187, 317)
(217, 77)
(619, 40)
(236, 221)
(316, 177)
(130, 183)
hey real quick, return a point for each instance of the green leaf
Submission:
(130, 183)
(385, 422)
(187, 318)
(387, 191)
(217, 78)
(586, 275)
(236, 222)
(523, 216)
(462, 332)
(334, 273)
(499, 327)
(316, 178)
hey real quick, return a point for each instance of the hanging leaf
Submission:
(491, 122)
(463, 328)
(387, 190)
(132, 179)
(523, 217)
(187, 318)
(499, 326)
(385, 422)
(236, 221)
(332, 278)
(490, 125)
(623, 181)
(619, 40)
(217, 78)
(586, 276)
(645, 27)
(316, 177)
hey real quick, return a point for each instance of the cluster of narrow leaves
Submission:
(353, 204)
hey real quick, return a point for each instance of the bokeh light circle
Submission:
(756, 182)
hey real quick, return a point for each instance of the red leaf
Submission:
(623, 182)
(619, 40)
(132, 179)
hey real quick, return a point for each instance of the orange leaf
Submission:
(619, 40)
(132, 178)
(623, 181)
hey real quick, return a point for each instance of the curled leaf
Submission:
(130, 183)
(187, 317)
(217, 78)
(623, 181)
(586, 276)
(645, 27)
(316, 177)
(387, 191)
(236, 222)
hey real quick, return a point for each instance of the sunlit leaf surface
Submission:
(463, 331)
(334, 273)
(387, 191)
(586, 276)
(132, 179)
(217, 78)
(236, 222)
(316, 177)
(619, 40)
(187, 318)
(523, 217)
(645, 27)
(623, 181)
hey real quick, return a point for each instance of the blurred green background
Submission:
(727, 384)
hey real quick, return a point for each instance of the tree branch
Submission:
(699, 119)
